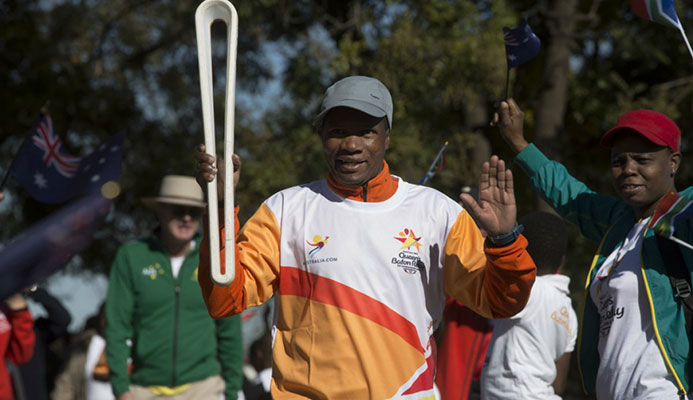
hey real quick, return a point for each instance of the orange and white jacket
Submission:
(361, 285)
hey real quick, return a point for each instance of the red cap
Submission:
(655, 127)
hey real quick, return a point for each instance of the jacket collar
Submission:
(155, 243)
(376, 190)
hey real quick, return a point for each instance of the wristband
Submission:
(506, 238)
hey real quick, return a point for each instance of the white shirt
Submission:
(96, 390)
(521, 358)
(631, 365)
(177, 262)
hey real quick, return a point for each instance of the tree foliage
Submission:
(132, 65)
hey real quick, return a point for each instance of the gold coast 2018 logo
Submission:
(408, 257)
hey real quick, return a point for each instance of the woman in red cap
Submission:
(634, 341)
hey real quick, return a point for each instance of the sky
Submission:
(81, 293)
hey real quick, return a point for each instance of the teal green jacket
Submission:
(607, 220)
(174, 340)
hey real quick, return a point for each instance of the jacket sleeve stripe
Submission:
(493, 282)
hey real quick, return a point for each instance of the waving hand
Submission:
(495, 212)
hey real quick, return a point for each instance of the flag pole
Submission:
(681, 242)
(430, 172)
(7, 175)
(9, 169)
(685, 39)
(507, 80)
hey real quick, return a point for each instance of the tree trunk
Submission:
(475, 119)
(550, 114)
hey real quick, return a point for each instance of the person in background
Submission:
(96, 380)
(38, 374)
(70, 384)
(529, 353)
(16, 339)
(361, 261)
(634, 342)
(260, 359)
(461, 352)
(178, 351)
(85, 374)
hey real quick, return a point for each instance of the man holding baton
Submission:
(362, 261)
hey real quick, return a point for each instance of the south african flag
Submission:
(662, 11)
(671, 209)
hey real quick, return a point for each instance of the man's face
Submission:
(179, 222)
(354, 144)
(642, 171)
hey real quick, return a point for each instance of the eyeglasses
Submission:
(182, 211)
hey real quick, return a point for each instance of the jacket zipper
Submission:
(584, 305)
(365, 191)
(175, 336)
(670, 366)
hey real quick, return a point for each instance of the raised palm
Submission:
(495, 212)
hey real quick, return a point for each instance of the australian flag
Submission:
(51, 175)
(521, 44)
(50, 244)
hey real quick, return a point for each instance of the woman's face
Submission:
(642, 171)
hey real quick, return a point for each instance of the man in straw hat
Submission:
(362, 261)
(154, 302)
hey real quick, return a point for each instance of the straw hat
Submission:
(178, 190)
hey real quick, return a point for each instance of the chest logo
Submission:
(409, 240)
(318, 244)
(152, 271)
(408, 259)
(563, 319)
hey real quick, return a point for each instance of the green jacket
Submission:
(174, 340)
(607, 220)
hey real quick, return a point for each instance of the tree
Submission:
(132, 65)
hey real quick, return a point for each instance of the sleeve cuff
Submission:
(120, 388)
(506, 238)
(500, 251)
(531, 158)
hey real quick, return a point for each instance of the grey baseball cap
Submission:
(362, 93)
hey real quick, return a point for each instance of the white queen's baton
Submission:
(207, 13)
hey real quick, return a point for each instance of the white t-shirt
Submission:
(177, 262)
(631, 365)
(521, 358)
(96, 390)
